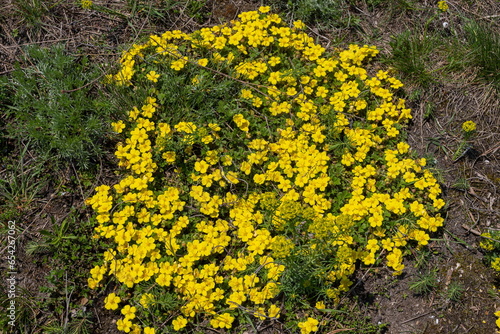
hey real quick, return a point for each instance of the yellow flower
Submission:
(146, 300)
(226, 160)
(264, 9)
(86, 4)
(152, 76)
(224, 320)
(124, 325)
(421, 237)
(195, 80)
(293, 166)
(111, 301)
(311, 325)
(299, 24)
(169, 156)
(274, 311)
(259, 178)
(179, 323)
(129, 311)
(118, 126)
(320, 305)
(187, 127)
(469, 126)
(214, 127)
(495, 264)
(179, 64)
(487, 243)
(291, 91)
(273, 61)
(241, 122)
(201, 166)
(246, 94)
(136, 329)
(443, 6)
(203, 62)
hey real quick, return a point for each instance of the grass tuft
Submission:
(484, 44)
(411, 56)
(321, 13)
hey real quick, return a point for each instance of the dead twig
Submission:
(84, 86)
(419, 316)
(471, 230)
(476, 232)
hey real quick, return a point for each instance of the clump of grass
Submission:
(320, 13)
(20, 184)
(411, 56)
(484, 45)
(26, 320)
(31, 12)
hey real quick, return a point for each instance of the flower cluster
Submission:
(86, 4)
(495, 263)
(308, 326)
(469, 126)
(304, 160)
(443, 6)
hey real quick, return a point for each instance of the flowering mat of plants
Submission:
(262, 180)
(296, 180)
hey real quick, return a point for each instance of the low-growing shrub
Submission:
(259, 166)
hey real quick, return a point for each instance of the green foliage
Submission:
(232, 134)
(321, 13)
(462, 184)
(484, 44)
(351, 316)
(31, 12)
(54, 106)
(411, 56)
(26, 320)
(21, 184)
(66, 283)
(164, 10)
(5, 102)
(52, 240)
(74, 326)
(303, 277)
(370, 3)
(61, 299)
(66, 241)
(454, 291)
(424, 283)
